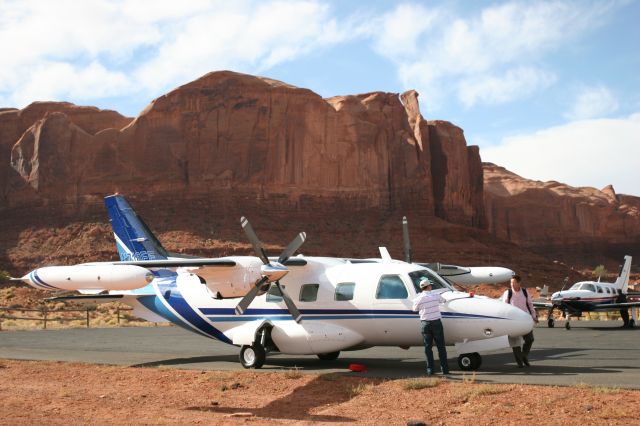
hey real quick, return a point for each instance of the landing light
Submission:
(488, 331)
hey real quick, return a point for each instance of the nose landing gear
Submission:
(470, 362)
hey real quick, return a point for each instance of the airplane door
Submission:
(392, 308)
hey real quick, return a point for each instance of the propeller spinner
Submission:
(271, 272)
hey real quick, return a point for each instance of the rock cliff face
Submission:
(236, 137)
(550, 217)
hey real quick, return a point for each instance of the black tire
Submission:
(252, 356)
(567, 325)
(331, 356)
(551, 323)
(468, 362)
(477, 360)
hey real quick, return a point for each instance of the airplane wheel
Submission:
(477, 360)
(468, 362)
(567, 325)
(551, 323)
(252, 356)
(330, 356)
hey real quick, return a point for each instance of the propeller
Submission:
(405, 240)
(271, 271)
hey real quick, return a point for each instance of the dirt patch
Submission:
(62, 393)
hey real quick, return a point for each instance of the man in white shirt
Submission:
(518, 297)
(428, 304)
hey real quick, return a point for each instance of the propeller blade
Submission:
(292, 247)
(293, 309)
(253, 238)
(405, 240)
(248, 298)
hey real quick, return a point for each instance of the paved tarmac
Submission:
(599, 353)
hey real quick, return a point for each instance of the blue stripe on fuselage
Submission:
(341, 313)
(170, 293)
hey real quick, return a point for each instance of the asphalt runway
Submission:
(599, 353)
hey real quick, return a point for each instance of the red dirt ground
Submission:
(57, 393)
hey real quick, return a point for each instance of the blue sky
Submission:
(548, 89)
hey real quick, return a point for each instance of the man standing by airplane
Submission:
(428, 304)
(517, 296)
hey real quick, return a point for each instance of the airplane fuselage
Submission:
(344, 306)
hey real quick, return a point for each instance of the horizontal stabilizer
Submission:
(98, 298)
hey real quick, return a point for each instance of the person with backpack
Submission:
(517, 296)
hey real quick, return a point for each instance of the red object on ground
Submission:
(472, 293)
(358, 368)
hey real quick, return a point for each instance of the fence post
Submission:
(87, 317)
(118, 313)
(44, 317)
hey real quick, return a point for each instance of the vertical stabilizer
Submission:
(134, 239)
(622, 282)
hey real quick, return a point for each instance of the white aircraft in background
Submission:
(592, 296)
(460, 275)
(244, 300)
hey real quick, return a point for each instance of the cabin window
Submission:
(273, 294)
(309, 292)
(416, 277)
(344, 291)
(607, 290)
(600, 289)
(391, 287)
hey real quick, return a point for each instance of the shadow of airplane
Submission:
(298, 404)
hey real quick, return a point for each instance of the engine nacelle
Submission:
(89, 277)
(231, 282)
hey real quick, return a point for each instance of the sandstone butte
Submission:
(345, 169)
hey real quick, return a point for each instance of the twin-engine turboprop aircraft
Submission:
(591, 296)
(249, 302)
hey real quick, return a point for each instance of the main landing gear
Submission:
(253, 356)
(469, 362)
(331, 356)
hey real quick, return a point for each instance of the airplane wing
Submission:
(541, 305)
(176, 263)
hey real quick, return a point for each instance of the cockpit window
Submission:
(391, 287)
(589, 287)
(435, 280)
(576, 286)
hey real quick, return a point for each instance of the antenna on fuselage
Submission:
(405, 239)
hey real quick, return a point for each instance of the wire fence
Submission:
(47, 315)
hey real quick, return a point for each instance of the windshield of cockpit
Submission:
(436, 280)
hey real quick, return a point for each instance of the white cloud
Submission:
(593, 102)
(514, 84)
(487, 47)
(95, 48)
(595, 153)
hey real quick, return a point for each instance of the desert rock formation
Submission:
(560, 219)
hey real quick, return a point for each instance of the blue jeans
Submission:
(432, 330)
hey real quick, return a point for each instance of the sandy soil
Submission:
(62, 393)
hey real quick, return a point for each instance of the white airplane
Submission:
(244, 300)
(461, 275)
(591, 296)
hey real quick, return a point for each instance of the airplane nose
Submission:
(520, 322)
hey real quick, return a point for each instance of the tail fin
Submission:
(134, 240)
(622, 282)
